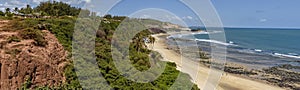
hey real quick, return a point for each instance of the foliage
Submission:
(13, 39)
(57, 9)
(49, 8)
(34, 34)
(13, 52)
(7, 11)
(108, 16)
(19, 24)
(2, 13)
(27, 83)
(63, 28)
(27, 10)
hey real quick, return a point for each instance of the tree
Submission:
(57, 9)
(16, 10)
(85, 13)
(152, 40)
(94, 14)
(7, 11)
(139, 44)
(108, 16)
(28, 9)
(2, 13)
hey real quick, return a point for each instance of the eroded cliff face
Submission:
(22, 61)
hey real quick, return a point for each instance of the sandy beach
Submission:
(199, 76)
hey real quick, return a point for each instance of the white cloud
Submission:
(12, 4)
(38, 1)
(187, 17)
(88, 1)
(145, 16)
(170, 18)
(263, 20)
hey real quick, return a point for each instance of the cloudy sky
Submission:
(233, 13)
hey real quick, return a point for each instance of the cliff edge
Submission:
(23, 63)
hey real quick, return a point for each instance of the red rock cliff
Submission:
(23, 61)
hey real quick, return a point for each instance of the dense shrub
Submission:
(2, 13)
(13, 39)
(36, 35)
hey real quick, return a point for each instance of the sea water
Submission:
(256, 47)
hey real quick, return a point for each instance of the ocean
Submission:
(256, 47)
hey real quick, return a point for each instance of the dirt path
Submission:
(227, 82)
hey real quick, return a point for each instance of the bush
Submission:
(19, 24)
(2, 13)
(13, 52)
(37, 35)
(13, 39)
(40, 42)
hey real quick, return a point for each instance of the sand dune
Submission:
(227, 81)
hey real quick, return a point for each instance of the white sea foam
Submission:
(214, 41)
(286, 55)
(294, 54)
(258, 50)
(194, 33)
(200, 33)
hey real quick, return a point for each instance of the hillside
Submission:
(36, 47)
(33, 42)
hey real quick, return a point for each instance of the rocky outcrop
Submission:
(22, 62)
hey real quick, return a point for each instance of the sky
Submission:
(233, 13)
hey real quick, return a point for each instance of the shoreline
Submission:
(227, 82)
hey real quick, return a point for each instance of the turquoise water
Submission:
(280, 41)
(256, 47)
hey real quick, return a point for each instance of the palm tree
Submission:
(139, 44)
(16, 10)
(7, 10)
(152, 40)
(28, 9)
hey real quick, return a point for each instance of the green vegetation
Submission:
(54, 9)
(13, 39)
(27, 83)
(2, 13)
(63, 28)
(13, 52)
(49, 8)
(34, 34)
